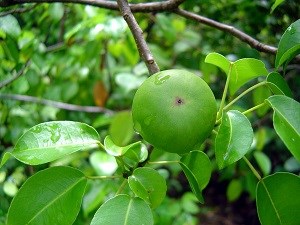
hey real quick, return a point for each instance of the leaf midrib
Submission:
(54, 200)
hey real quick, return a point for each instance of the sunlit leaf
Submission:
(49, 141)
(240, 71)
(149, 185)
(278, 199)
(219, 61)
(10, 25)
(51, 196)
(286, 121)
(276, 4)
(197, 168)
(123, 210)
(121, 128)
(234, 138)
(103, 163)
(289, 45)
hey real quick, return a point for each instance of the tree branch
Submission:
(19, 10)
(229, 29)
(138, 7)
(16, 76)
(137, 33)
(55, 104)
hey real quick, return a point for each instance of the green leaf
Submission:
(51, 196)
(115, 150)
(240, 71)
(234, 138)
(10, 25)
(278, 85)
(103, 163)
(278, 199)
(121, 128)
(219, 61)
(197, 168)
(49, 141)
(234, 190)
(149, 185)
(123, 210)
(260, 94)
(244, 70)
(289, 45)
(276, 4)
(286, 121)
(263, 162)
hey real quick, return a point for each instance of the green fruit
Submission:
(174, 110)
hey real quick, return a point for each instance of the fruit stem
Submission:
(224, 93)
(244, 93)
(254, 108)
(254, 171)
(163, 162)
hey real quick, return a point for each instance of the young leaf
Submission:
(121, 128)
(278, 199)
(51, 196)
(241, 71)
(289, 45)
(49, 141)
(234, 138)
(197, 168)
(244, 70)
(286, 121)
(219, 61)
(263, 162)
(278, 85)
(123, 210)
(149, 185)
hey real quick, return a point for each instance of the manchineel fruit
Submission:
(174, 110)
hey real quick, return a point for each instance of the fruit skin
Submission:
(174, 110)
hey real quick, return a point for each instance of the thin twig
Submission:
(137, 33)
(16, 76)
(18, 10)
(229, 29)
(56, 104)
(138, 7)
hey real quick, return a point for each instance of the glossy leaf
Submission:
(286, 121)
(49, 141)
(263, 162)
(197, 168)
(278, 199)
(149, 185)
(121, 128)
(278, 85)
(234, 138)
(103, 163)
(123, 210)
(115, 150)
(219, 61)
(241, 71)
(51, 196)
(244, 70)
(289, 45)
(260, 94)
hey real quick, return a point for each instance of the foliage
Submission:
(77, 172)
